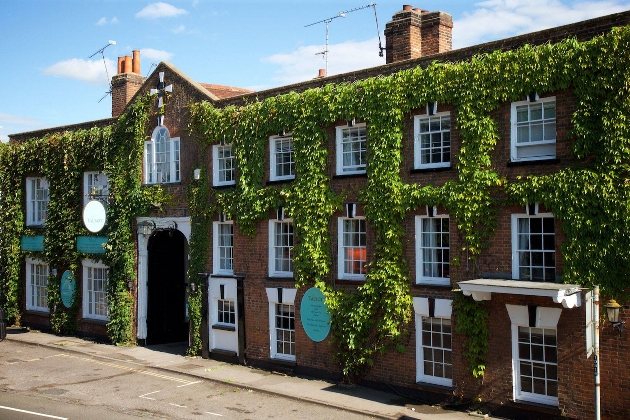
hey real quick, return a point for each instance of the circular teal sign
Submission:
(314, 315)
(68, 286)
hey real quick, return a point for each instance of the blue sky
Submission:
(47, 80)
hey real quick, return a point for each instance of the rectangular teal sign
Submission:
(91, 244)
(32, 243)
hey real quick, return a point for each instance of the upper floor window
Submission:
(533, 247)
(161, 158)
(36, 201)
(282, 162)
(352, 249)
(222, 165)
(36, 285)
(433, 250)
(280, 248)
(351, 149)
(95, 277)
(432, 141)
(223, 247)
(534, 129)
(95, 187)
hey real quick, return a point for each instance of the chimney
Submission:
(322, 73)
(126, 83)
(415, 33)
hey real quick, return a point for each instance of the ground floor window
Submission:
(95, 277)
(282, 323)
(433, 341)
(226, 314)
(535, 353)
(36, 285)
(285, 330)
(537, 362)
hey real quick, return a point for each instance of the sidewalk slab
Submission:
(171, 358)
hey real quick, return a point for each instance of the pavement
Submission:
(172, 358)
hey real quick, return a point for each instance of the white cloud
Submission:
(155, 55)
(103, 21)
(496, 19)
(179, 29)
(303, 64)
(158, 10)
(88, 71)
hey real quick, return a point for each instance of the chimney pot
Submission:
(128, 64)
(407, 7)
(322, 73)
(417, 9)
(136, 61)
(120, 64)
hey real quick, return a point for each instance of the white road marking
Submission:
(176, 405)
(32, 412)
(214, 414)
(190, 383)
(148, 398)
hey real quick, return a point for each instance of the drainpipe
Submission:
(205, 333)
(596, 351)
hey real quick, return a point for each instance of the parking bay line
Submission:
(33, 413)
(144, 372)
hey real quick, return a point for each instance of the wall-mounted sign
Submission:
(91, 244)
(94, 216)
(314, 315)
(67, 288)
(32, 243)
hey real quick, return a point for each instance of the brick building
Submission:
(536, 362)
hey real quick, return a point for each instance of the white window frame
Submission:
(545, 146)
(420, 277)
(101, 184)
(442, 311)
(89, 310)
(274, 247)
(217, 170)
(231, 311)
(172, 158)
(216, 249)
(546, 319)
(362, 133)
(36, 208)
(418, 119)
(273, 159)
(341, 246)
(288, 298)
(32, 288)
(515, 245)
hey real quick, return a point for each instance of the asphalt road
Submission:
(56, 384)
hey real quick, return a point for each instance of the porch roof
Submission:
(481, 289)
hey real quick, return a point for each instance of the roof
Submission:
(481, 289)
(224, 92)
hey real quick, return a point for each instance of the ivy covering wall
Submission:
(62, 158)
(591, 199)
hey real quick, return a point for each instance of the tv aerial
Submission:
(109, 92)
(341, 15)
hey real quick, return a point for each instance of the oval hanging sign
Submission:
(314, 315)
(94, 216)
(67, 288)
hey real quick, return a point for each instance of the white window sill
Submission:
(434, 281)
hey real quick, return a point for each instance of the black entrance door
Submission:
(166, 306)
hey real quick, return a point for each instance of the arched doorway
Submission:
(166, 284)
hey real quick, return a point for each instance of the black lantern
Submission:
(612, 310)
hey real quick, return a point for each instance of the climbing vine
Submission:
(62, 159)
(370, 318)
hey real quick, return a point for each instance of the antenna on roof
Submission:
(109, 92)
(343, 14)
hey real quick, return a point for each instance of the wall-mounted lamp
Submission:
(146, 227)
(612, 310)
(197, 174)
